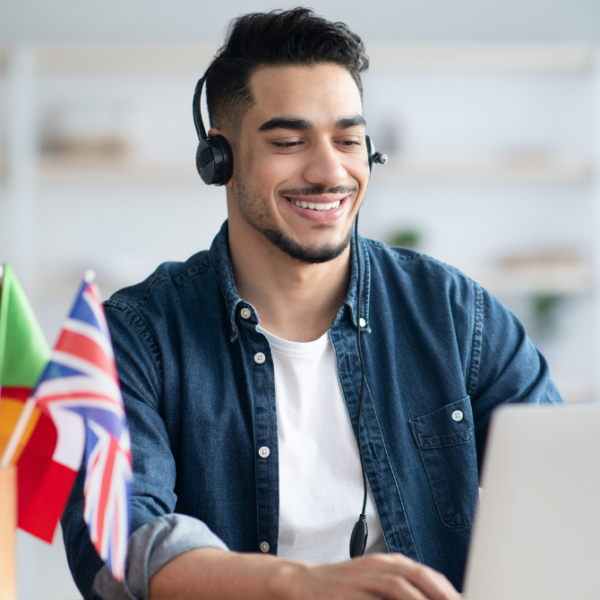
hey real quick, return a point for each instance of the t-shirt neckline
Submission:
(295, 348)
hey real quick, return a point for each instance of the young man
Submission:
(241, 374)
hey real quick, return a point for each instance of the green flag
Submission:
(24, 350)
(24, 353)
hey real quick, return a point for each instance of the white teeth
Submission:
(313, 206)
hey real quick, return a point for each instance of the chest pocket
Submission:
(446, 441)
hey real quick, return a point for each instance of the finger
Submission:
(433, 584)
(399, 588)
(392, 587)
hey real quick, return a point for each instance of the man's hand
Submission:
(389, 576)
(217, 575)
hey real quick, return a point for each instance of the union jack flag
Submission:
(81, 378)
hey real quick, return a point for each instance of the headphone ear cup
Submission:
(205, 163)
(223, 160)
(370, 152)
(214, 160)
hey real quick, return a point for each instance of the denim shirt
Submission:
(200, 405)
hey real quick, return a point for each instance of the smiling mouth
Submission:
(323, 207)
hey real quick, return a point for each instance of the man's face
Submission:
(301, 166)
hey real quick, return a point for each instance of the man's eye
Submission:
(287, 144)
(350, 143)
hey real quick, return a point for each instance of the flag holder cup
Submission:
(8, 528)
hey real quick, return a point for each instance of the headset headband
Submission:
(197, 108)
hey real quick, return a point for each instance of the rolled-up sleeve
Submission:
(151, 547)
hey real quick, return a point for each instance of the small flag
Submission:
(24, 353)
(81, 381)
(28, 435)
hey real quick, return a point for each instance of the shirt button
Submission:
(264, 547)
(259, 358)
(246, 313)
(362, 322)
(457, 415)
(264, 452)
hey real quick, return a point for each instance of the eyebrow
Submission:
(306, 125)
(350, 122)
(286, 123)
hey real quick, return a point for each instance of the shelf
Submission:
(74, 170)
(559, 170)
(558, 280)
(124, 56)
(397, 170)
(488, 57)
(412, 57)
(91, 170)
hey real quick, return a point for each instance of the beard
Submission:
(254, 210)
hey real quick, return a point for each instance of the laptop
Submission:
(537, 529)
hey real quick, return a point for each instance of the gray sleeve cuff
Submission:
(150, 547)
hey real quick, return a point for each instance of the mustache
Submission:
(318, 190)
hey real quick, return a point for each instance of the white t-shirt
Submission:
(320, 478)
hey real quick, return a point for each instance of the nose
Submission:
(324, 165)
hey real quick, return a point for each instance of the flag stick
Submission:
(8, 527)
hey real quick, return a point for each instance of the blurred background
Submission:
(489, 111)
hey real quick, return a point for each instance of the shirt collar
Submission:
(365, 290)
(221, 259)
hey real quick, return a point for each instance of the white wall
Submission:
(391, 20)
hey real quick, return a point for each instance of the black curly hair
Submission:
(291, 37)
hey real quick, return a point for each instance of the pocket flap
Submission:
(451, 424)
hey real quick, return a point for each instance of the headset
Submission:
(214, 162)
(214, 158)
